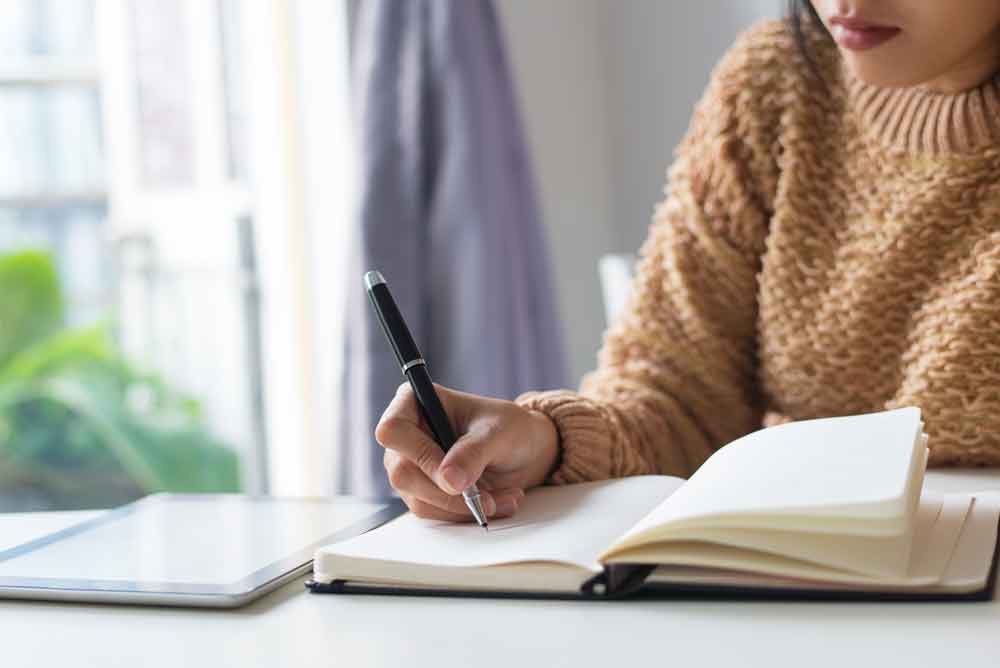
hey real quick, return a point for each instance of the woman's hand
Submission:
(502, 447)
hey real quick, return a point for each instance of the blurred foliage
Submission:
(79, 425)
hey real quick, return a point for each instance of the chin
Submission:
(877, 72)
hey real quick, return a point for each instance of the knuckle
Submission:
(410, 501)
(422, 510)
(469, 452)
(385, 429)
(426, 459)
(399, 474)
(487, 433)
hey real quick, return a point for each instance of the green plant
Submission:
(79, 425)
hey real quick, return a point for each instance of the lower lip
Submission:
(862, 39)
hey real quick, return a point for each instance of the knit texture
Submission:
(825, 248)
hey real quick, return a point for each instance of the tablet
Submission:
(215, 550)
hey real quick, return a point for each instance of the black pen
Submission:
(415, 369)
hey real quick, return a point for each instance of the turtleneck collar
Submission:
(922, 120)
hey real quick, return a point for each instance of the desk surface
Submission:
(291, 627)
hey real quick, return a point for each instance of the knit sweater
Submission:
(825, 248)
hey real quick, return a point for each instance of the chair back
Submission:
(616, 271)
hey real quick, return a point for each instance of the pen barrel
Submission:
(430, 406)
(393, 324)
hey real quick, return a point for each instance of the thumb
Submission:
(465, 462)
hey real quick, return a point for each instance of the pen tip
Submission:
(486, 527)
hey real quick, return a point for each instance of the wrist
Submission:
(545, 437)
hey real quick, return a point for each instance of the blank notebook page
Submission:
(811, 467)
(572, 524)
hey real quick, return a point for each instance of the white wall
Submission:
(558, 52)
(607, 88)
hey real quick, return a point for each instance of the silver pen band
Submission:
(412, 363)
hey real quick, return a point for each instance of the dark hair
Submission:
(797, 11)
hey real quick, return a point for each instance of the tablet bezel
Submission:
(232, 594)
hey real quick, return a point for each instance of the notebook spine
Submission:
(616, 581)
(332, 587)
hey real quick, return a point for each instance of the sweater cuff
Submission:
(584, 438)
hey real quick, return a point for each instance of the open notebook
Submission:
(819, 507)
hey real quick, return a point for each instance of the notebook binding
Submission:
(616, 580)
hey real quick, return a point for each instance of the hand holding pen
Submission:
(501, 448)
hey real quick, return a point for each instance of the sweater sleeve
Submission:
(677, 373)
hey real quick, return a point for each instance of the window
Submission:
(169, 232)
(84, 421)
(52, 187)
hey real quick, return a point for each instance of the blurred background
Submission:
(179, 191)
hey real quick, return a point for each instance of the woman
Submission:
(829, 244)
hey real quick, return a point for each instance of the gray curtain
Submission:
(448, 214)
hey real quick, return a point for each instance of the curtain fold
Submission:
(448, 214)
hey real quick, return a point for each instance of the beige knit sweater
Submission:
(823, 249)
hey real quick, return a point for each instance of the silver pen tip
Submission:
(472, 500)
(373, 278)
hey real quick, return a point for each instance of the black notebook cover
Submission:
(620, 581)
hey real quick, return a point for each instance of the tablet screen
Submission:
(193, 540)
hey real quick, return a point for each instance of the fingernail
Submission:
(454, 478)
(506, 505)
(489, 504)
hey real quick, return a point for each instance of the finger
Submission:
(456, 405)
(400, 429)
(404, 404)
(406, 477)
(466, 460)
(427, 511)
(409, 480)
(507, 502)
(507, 505)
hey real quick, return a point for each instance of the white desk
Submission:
(291, 628)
